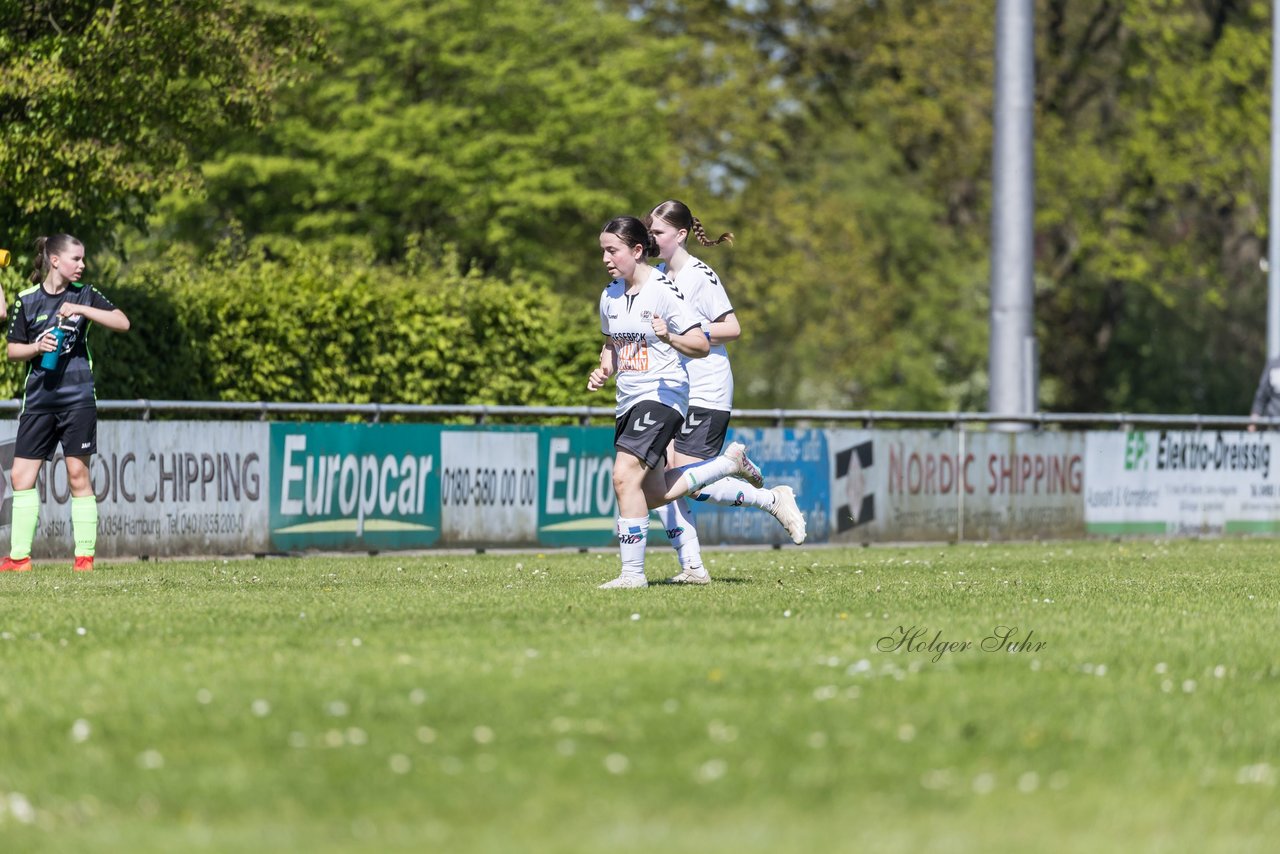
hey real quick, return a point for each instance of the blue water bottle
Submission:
(49, 361)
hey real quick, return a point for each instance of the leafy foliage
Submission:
(509, 130)
(858, 273)
(295, 325)
(1152, 187)
(1151, 164)
(105, 106)
(846, 144)
(850, 294)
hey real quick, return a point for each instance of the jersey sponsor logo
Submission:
(633, 351)
(649, 421)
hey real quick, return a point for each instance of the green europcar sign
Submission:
(345, 486)
(377, 487)
(578, 507)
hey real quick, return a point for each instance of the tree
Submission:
(510, 131)
(105, 106)
(851, 294)
(1151, 139)
(830, 146)
(1152, 187)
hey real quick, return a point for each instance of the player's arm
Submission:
(24, 351)
(608, 363)
(692, 342)
(21, 351)
(725, 329)
(113, 318)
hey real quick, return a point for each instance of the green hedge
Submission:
(305, 327)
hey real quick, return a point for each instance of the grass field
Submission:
(501, 703)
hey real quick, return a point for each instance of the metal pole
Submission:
(1012, 373)
(960, 482)
(1273, 237)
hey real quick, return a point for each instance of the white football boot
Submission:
(787, 512)
(691, 575)
(747, 470)
(625, 581)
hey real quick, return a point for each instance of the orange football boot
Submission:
(84, 563)
(22, 564)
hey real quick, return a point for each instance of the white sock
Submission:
(700, 474)
(633, 536)
(735, 492)
(677, 519)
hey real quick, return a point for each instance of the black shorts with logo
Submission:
(703, 433)
(40, 432)
(646, 430)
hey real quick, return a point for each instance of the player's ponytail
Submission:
(39, 261)
(677, 215)
(700, 233)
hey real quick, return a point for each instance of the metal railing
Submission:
(485, 413)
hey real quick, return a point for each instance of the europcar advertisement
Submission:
(489, 486)
(577, 503)
(355, 486)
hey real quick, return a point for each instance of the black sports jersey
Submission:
(70, 384)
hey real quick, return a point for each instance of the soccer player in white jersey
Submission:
(648, 325)
(710, 393)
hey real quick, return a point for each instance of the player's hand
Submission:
(596, 381)
(45, 342)
(660, 329)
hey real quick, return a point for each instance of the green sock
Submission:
(84, 524)
(26, 512)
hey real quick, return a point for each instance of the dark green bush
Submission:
(305, 327)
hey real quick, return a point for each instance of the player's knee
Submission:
(626, 478)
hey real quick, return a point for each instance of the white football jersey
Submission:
(711, 378)
(647, 369)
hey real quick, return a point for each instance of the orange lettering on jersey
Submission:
(633, 355)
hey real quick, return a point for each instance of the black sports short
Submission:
(703, 433)
(646, 430)
(40, 432)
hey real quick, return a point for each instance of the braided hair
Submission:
(678, 215)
